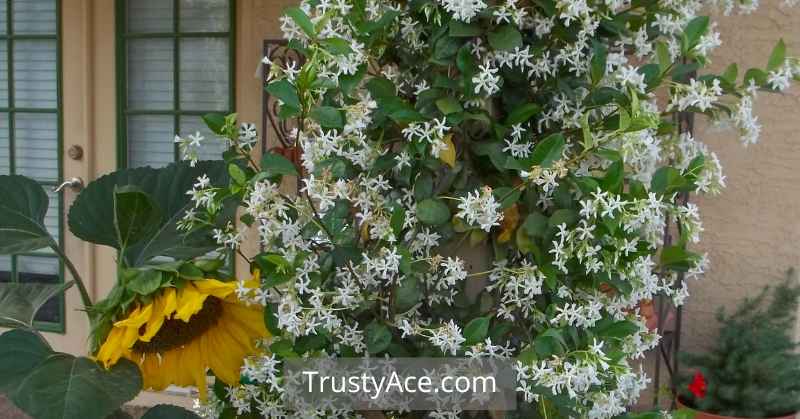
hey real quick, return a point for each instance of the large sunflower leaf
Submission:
(166, 411)
(22, 212)
(92, 216)
(65, 387)
(20, 352)
(19, 303)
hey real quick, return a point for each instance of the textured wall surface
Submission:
(752, 229)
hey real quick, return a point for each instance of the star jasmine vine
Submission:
(547, 134)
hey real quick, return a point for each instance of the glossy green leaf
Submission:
(302, 20)
(408, 294)
(535, 224)
(328, 117)
(695, 29)
(22, 212)
(778, 56)
(476, 330)
(275, 165)
(433, 212)
(505, 38)
(448, 105)
(597, 65)
(548, 150)
(667, 180)
(521, 114)
(285, 92)
(336, 46)
(378, 337)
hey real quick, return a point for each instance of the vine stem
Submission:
(87, 300)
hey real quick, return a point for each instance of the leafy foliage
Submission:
(145, 225)
(53, 385)
(753, 369)
(22, 211)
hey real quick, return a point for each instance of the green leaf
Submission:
(677, 258)
(506, 196)
(476, 330)
(378, 337)
(548, 343)
(433, 212)
(613, 180)
(166, 411)
(215, 122)
(563, 216)
(598, 62)
(462, 29)
(66, 387)
(91, 217)
(548, 150)
(275, 166)
(336, 46)
(237, 174)
(663, 56)
(522, 114)
(302, 20)
(619, 329)
(328, 117)
(777, 57)
(19, 303)
(535, 224)
(696, 28)
(449, 105)
(143, 281)
(667, 180)
(408, 294)
(22, 212)
(731, 73)
(285, 92)
(758, 76)
(20, 352)
(136, 215)
(504, 38)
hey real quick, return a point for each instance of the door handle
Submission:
(74, 183)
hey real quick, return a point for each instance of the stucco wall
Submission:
(752, 229)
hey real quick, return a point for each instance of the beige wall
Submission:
(753, 228)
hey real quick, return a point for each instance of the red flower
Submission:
(698, 385)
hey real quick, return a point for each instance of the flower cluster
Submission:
(535, 131)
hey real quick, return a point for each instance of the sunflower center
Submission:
(175, 333)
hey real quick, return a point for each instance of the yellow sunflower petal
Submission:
(155, 321)
(137, 318)
(170, 301)
(190, 301)
(216, 288)
(110, 351)
(255, 280)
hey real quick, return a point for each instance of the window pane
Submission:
(36, 145)
(34, 269)
(212, 146)
(35, 84)
(150, 74)
(34, 16)
(3, 73)
(205, 66)
(53, 215)
(3, 21)
(204, 16)
(151, 140)
(5, 155)
(5, 269)
(150, 16)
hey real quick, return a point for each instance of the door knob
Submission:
(74, 183)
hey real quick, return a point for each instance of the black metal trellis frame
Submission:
(277, 51)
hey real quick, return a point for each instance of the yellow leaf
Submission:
(448, 155)
(509, 224)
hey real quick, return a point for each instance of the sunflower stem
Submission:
(87, 300)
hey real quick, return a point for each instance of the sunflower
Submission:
(183, 332)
